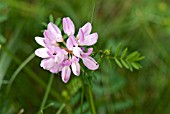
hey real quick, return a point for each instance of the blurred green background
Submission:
(142, 25)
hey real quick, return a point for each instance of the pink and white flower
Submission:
(66, 57)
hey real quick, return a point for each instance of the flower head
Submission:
(63, 56)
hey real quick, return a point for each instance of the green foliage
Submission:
(122, 59)
(142, 25)
(3, 12)
(129, 61)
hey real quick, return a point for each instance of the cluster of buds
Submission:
(63, 55)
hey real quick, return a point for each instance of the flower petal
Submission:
(90, 63)
(80, 36)
(42, 52)
(66, 72)
(69, 43)
(59, 58)
(90, 39)
(55, 31)
(68, 26)
(55, 69)
(54, 37)
(53, 28)
(77, 52)
(74, 41)
(40, 41)
(87, 29)
(90, 50)
(76, 68)
(47, 63)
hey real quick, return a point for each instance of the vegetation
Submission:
(123, 83)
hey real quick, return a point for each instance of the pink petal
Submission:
(68, 26)
(40, 41)
(59, 58)
(47, 63)
(90, 63)
(74, 41)
(53, 28)
(66, 72)
(90, 50)
(66, 63)
(55, 32)
(53, 37)
(80, 35)
(90, 39)
(76, 68)
(47, 42)
(87, 29)
(49, 35)
(69, 43)
(42, 52)
(55, 69)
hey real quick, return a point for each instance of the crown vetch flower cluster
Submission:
(60, 55)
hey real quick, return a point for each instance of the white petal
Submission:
(59, 58)
(42, 52)
(77, 51)
(40, 41)
(66, 72)
(48, 64)
(76, 68)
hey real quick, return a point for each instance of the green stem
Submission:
(14, 75)
(60, 109)
(92, 105)
(82, 96)
(46, 94)
(92, 15)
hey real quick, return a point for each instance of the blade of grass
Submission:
(51, 78)
(60, 109)
(14, 75)
(32, 75)
(5, 60)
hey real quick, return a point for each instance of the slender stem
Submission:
(82, 97)
(93, 109)
(14, 75)
(92, 15)
(89, 95)
(60, 109)
(46, 94)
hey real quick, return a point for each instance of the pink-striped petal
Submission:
(69, 43)
(55, 32)
(53, 28)
(87, 29)
(74, 41)
(66, 72)
(90, 50)
(90, 39)
(80, 36)
(90, 63)
(76, 68)
(68, 26)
